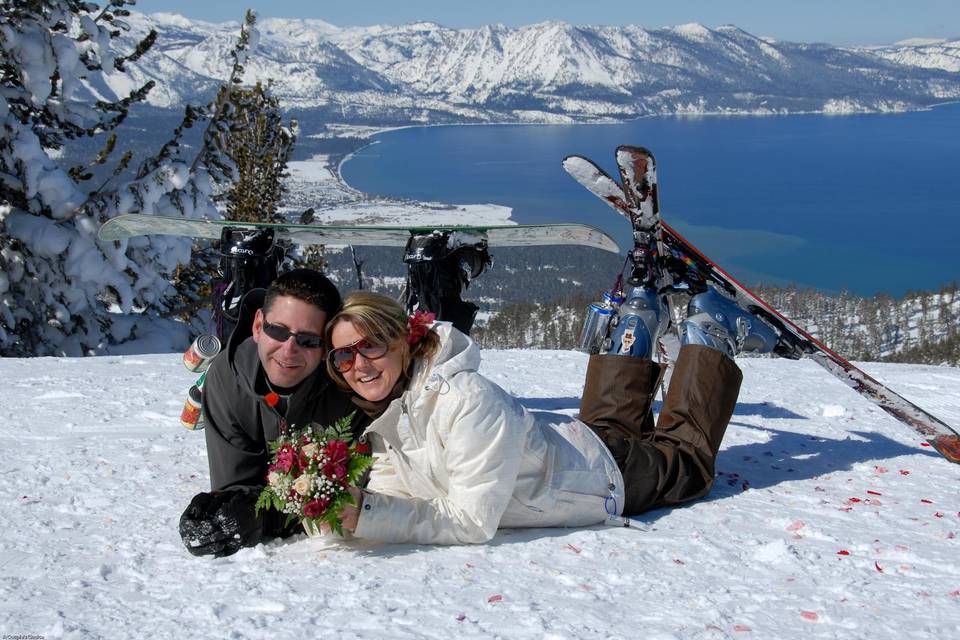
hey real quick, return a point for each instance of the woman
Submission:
(457, 457)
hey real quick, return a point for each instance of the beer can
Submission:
(192, 416)
(597, 324)
(201, 353)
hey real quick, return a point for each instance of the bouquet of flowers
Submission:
(309, 473)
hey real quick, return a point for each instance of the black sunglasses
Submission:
(342, 358)
(282, 334)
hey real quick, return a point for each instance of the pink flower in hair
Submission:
(418, 325)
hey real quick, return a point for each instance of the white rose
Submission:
(302, 484)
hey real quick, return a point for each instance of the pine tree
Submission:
(260, 147)
(250, 147)
(54, 271)
(62, 291)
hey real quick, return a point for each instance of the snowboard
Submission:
(679, 266)
(129, 225)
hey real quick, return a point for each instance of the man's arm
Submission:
(219, 523)
(236, 453)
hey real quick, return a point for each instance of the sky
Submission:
(840, 22)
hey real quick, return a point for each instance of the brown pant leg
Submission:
(617, 396)
(676, 462)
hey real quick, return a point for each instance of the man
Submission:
(268, 378)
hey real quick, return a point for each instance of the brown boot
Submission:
(617, 398)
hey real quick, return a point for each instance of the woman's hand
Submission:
(351, 513)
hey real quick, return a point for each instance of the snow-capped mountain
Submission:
(552, 71)
(928, 54)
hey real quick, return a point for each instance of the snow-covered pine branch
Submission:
(61, 290)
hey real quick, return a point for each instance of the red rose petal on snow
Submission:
(924, 444)
(881, 469)
(461, 617)
(938, 515)
(741, 628)
(874, 493)
(904, 472)
(925, 501)
(796, 526)
(955, 594)
(843, 552)
(879, 568)
(496, 598)
(809, 615)
(574, 549)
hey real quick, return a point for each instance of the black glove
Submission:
(221, 522)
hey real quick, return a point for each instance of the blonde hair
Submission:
(381, 320)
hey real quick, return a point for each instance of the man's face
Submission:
(287, 363)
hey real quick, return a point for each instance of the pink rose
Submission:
(286, 458)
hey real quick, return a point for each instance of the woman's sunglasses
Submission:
(342, 358)
(282, 334)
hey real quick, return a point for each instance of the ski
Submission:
(129, 225)
(679, 263)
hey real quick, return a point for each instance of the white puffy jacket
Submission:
(458, 457)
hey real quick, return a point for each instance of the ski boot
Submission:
(626, 326)
(639, 322)
(716, 321)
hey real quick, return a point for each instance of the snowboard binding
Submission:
(440, 265)
(249, 259)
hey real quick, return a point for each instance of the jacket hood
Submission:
(245, 362)
(458, 352)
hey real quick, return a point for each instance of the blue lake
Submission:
(870, 203)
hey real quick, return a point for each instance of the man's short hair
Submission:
(307, 285)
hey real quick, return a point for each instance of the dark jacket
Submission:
(240, 424)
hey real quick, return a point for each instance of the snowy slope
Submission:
(936, 54)
(548, 72)
(98, 470)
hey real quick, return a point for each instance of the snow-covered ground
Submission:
(828, 520)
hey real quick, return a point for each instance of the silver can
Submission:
(596, 325)
(201, 353)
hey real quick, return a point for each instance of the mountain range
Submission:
(549, 72)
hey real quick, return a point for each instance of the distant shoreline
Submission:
(894, 283)
(336, 168)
